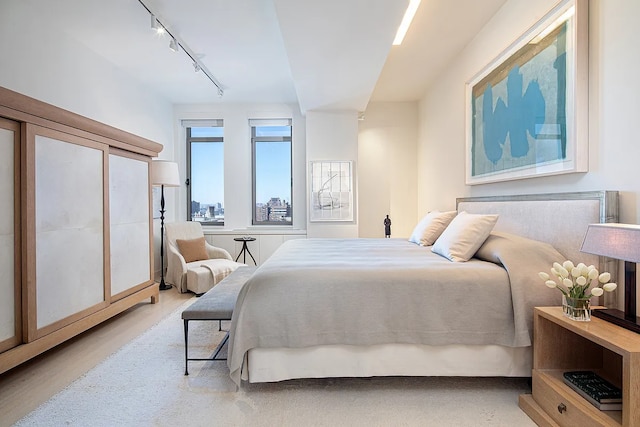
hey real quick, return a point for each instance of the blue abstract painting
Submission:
(519, 116)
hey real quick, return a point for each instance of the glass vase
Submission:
(578, 309)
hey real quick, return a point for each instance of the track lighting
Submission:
(155, 25)
(175, 43)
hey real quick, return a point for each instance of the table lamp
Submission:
(619, 241)
(164, 174)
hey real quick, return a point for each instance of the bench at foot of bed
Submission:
(216, 304)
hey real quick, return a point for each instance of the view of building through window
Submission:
(271, 171)
(272, 178)
(205, 163)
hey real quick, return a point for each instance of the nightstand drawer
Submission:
(565, 408)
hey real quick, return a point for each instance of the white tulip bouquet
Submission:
(574, 281)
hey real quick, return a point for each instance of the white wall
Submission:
(383, 147)
(333, 135)
(237, 157)
(614, 108)
(39, 60)
(388, 169)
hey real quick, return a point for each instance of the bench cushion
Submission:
(218, 303)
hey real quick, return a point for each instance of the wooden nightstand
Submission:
(563, 345)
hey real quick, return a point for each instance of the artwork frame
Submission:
(331, 191)
(527, 110)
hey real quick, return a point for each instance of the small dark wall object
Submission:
(387, 227)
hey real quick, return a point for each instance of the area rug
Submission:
(143, 384)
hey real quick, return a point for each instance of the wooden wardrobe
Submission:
(76, 230)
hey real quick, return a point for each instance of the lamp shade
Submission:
(619, 241)
(165, 173)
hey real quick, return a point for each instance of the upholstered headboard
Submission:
(560, 219)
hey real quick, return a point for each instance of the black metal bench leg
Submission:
(186, 346)
(219, 348)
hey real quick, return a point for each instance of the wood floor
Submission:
(25, 387)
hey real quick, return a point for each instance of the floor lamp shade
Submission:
(619, 241)
(165, 174)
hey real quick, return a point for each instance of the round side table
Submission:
(245, 250)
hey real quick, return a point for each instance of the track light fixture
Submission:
(175, 44)
(155, 25)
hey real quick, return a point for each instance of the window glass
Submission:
(205, 161)
(272, 178)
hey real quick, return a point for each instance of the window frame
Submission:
(195, 139)
(256, 139)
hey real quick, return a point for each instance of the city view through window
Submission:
(206, 181)
(272, 177)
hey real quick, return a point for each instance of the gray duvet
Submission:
(378, 291)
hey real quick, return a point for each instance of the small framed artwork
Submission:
(331, 191)
(527, 110)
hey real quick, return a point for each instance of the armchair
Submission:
(199, 265)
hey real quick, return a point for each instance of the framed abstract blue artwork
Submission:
(527, 110)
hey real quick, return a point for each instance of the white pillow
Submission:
(464, 235)
(431, 227)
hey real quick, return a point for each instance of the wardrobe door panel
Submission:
(9, 246)
(129, 222)
(69, 226)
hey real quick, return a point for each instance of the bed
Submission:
(381, 307)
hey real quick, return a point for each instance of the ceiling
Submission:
(329, 54)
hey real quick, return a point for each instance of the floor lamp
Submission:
(164, 174)
(620, 241)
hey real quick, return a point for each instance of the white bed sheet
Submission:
(279, 364)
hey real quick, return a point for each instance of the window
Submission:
(205, 171)
(272, 177)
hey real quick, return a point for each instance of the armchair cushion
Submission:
(203, 275)
(193, 249)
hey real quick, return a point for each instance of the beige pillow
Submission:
(464, 236)
(430, 227)
(193, 250)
